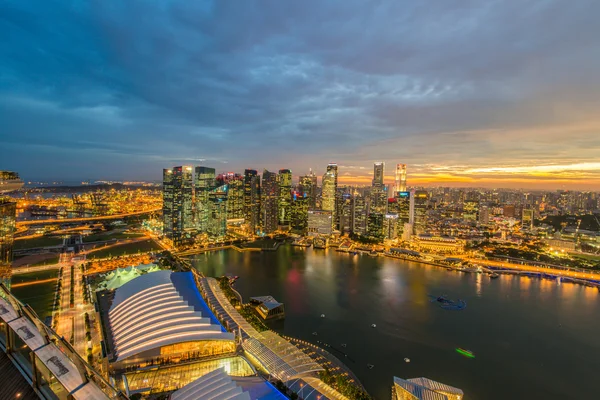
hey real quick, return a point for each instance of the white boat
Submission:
(373, 326)
(407, 360)
(322, 315)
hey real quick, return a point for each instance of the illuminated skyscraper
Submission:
(285, 197)
(235, 194)
(329, 189)
(378, 171)
(217, 219)
(252, 200)
(527, 218)
(205, 183)
(177, 203)
(400, 184)
(8, 214)
(308, 186)
(421, 199)
(375, 226)
(359, 215)
(299, 213)
(270, 199)
(378, 190)
(470, 210)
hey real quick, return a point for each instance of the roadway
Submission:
(538, 270)
(85, 219)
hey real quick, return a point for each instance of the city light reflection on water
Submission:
(523, 329)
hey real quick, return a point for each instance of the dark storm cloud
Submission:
(122, 89)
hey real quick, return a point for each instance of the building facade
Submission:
(285, 198)
(178, 219)
(252, 200)
(319, 222)
(270, 198)
(205, 182)
(400, 183)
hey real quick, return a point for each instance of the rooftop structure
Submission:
(268, 307)
(161, 316)
(215, 385)
(424, 389)
(117, 278)
(39, 352)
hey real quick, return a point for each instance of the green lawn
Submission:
(47, 261)
(41, 241)
(590, 257)
(129, 248)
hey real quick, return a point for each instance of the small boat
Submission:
(494, 275)
(343, 344)
(373, 326)
(322, 315)
(407, 360)
(466, 353)
(370, 366)
(314, 333)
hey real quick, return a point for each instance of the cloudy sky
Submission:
(466, 92)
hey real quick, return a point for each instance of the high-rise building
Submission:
(470, 210)
(359, 215)
(8, 214)
(527, 218)
(285, 197)
(346, 215)
(178, 219)
(400, 183)
(299, 213)
(378, 173)
(390, 226)
(205, 183)
(378, 190)
(484, 215)
(319, 222)
(235, 194)
(375, 226)
(308, 186)
(217, 219)
(329, 189)
(270, 199)
(252, 200)
(421, 199)
(406, 210)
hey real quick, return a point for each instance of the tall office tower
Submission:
(299, 213)
(420, 211)
(390, 226)
(400, 184)
(217, 218)
(329, 189)
(378, 190)
(8, 215)
(378, 172)
(319, 222)
(359, 215)
(308, 186)
(285, 197)
(375, 226)
(405, 210)
(270, 198)
(346, 215)
(235, 194)
(177, 203)
(205, 183)
(252, 200)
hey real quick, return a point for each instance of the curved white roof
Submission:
(158, 309)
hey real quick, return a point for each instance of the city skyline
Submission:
(465, 94)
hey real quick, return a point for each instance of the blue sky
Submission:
(501, 93)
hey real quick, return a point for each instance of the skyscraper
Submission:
(400, 184)
(378, 168)
(405, 207)
(270, 198)
(308, 186)
(299, 213)
(205, 183)
(177, 203)
(8, 213)
(252, 200)
(217, 219)
(421, 199)
(378, 189)
(329, 190)
(359, 215)
(235, 194)
(285, 197)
